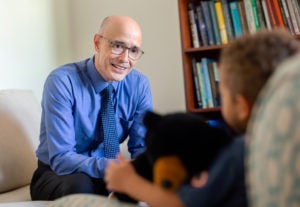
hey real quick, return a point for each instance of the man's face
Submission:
(114, 67)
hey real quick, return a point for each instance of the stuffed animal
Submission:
(179, 147)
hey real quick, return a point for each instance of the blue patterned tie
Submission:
(108, 124)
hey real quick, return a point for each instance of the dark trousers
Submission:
(47, 185)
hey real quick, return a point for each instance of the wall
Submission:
(26, 44)
(40, 35)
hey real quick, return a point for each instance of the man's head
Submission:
(118, 47)
(246, 64)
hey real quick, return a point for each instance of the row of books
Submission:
(206, 81)
(215, 22)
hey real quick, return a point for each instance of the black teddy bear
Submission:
(179, 147)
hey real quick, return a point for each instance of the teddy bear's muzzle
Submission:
(169, 173)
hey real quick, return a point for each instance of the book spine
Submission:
(235, 16)
(227, 19)
(297, 10)
(283, 14)
(193, 26)
(202, 85)
(204, 64)
(288, 17)
(215, 22)
(266, 14)
(255, 14)
(278, 13)
(212, 81)
(221, 22)
(271, 13)
(293, 16)
(250, 16)
(202, 25)
(243, 18)
(198, 101)
(217, 80)
(260, 14)
(208, 22)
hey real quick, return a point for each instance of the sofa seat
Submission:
(20, 115)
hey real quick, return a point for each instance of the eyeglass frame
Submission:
(111, 43)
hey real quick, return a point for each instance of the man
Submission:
(246, 64)
(72, 150)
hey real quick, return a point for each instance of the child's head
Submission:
(246, 64)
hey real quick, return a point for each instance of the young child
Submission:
(246, 64)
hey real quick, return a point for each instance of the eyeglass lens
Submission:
(118, 48)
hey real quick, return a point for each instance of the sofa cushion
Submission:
(19, 127)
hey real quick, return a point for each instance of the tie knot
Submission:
(108, 90)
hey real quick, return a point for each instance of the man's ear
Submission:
(199, 180)
(243, 107)
(97, 42)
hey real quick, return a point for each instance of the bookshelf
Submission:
(212, 51)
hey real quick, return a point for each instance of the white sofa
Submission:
(19, 131)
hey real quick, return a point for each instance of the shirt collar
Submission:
(98, 82)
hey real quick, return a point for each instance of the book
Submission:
(260, 14)
(215, 22)
(293, 16)
(278, 14)
(235, 16)
(227, 19)
(282, 14)
(255, 14)
(287, 16)
(243, 18)
(250, 16)
(206, 81)
(296, 6)
(266, 14)
(221, 22)
(212, 82)
(197, 92)
(217, 80)
(208, 22)
(193, 26)
(202, 25)
(201, 85)
(271, 11)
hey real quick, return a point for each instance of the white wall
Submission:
(39, 35)
(26, 44)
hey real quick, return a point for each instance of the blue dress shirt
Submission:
(70, 106)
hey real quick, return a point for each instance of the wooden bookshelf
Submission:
(189, 52)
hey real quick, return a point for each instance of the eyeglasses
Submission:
(117, 48)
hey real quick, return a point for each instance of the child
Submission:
(245, 66)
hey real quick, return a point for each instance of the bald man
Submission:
(71, 156)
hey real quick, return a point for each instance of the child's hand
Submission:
(118, 174)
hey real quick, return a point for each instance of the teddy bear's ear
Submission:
(151, 119)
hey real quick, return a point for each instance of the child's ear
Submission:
(199, 180)
(243, 107)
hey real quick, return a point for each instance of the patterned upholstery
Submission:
(273, 141)
(88, 200)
